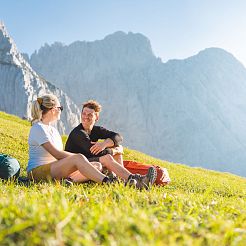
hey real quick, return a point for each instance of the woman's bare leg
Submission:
(63, 168)
(77, 177)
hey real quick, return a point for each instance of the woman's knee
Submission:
(80, 157)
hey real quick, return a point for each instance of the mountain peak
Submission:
(215, 52)
(129, 35)
(4, 36)
(9, 53)
(210, 57)
(215, 57)
(20, 84)
(2, 26)
(130, 38)
(129, 45)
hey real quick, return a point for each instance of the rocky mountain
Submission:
(190, 111)
(20, 85)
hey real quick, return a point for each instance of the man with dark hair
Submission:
(84, 139)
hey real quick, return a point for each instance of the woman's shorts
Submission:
(40, 173)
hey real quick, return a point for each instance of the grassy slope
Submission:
(199, 207)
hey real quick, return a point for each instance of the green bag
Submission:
(9, 167)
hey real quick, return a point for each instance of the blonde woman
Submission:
(48, 160)
(46, 156)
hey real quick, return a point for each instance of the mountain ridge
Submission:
(187, 111)
(189, 97)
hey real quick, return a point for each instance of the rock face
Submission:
(20, 85)
(191, 111)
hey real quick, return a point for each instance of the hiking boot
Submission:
(131, 182)
(145, 181)
(23, 181)
(67, 182)
(107, 180)
(113, 178)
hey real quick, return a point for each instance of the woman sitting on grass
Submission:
(48, 160)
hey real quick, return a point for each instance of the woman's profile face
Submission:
(56, 111)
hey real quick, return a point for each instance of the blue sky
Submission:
(176, 28)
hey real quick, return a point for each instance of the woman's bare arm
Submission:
(58, 154)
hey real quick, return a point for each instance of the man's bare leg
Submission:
(113, 166)
(119, 158)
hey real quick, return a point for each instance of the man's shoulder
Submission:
(78, 130)
(75, 130)
(99, 128)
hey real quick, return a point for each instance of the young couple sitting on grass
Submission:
(84, 157)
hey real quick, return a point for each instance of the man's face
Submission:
(88, 117)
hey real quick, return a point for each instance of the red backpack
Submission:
(140, 168)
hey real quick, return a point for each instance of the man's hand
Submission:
(97, 147)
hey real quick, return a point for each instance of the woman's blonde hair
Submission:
(42, 105)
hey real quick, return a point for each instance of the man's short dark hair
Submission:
(92, 104)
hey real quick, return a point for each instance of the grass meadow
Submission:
(199, 207)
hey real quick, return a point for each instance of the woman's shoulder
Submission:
(38, 127)
(37, 131)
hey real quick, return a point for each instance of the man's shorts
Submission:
(92, 159)
(96, 158)
(40, 173)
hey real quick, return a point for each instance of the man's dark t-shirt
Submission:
(79, 141)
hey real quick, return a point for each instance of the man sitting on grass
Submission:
(84, 139)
